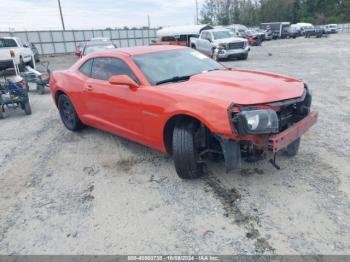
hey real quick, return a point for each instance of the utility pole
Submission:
(59, 6)
(197, 22)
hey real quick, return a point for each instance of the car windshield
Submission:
(93, 48)
(175, 65)
(223, 34)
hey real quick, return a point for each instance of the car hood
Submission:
(239, 86)
(229, 40)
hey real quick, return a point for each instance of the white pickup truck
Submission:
(221, 44)
(23, 55)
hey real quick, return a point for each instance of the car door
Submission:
(207, 45)
(201, 42)
(115, 108)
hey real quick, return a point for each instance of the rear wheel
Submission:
(293, 148)
(27, 108)
(185, 151)
(68, 114)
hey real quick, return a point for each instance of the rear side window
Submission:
(86, 68)
(7, 43)
(105, 67)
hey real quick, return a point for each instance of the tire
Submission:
(31, 63)
(2, 116)
(244, 57)
(68, 114)
(193, 47)
(27, 108)
(184, 152)
(41, 89)
(293, 148)
(21, 65)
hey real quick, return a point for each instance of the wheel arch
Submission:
(170, 125)
(57, 94)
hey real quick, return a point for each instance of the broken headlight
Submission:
(221, 46)
(257, 122)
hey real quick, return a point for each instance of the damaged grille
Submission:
(238, 45)
(293, 111)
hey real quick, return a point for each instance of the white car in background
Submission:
(13, 48)
(331, 29)
(221, 44)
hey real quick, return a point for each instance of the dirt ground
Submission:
(95, 193)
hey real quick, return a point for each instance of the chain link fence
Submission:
(60, 42)
(344, 28)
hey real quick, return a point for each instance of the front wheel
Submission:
(185, 152)
(68, 114)
(293, 148)
(244, 57)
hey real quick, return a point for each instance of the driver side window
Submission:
(105, 67)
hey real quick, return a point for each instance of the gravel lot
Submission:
(95, 193)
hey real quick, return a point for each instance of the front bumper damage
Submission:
(280, 141)
(232, 149)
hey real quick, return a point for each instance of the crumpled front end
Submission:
(268, 128)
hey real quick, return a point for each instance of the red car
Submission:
(253, 38)
(177, 100)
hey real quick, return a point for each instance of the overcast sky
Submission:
(86, 14)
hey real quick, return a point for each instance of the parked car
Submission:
(35, 52)
(252, 37)
(331, 29)
(221, 44)
(316, 31)
(260, 33)
(302, 27)
(293, 32)
(237, 28)
(13, 48)
(177, 100)
(179, 35)
(93, 46)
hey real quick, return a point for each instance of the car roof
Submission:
(139, 50)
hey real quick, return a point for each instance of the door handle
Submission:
(89, 88)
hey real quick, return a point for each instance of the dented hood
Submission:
(242, 87)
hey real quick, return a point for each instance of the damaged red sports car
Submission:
(179, 101)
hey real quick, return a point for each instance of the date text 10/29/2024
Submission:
(173, 258)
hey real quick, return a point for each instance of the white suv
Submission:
(22, 53)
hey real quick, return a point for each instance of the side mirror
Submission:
(123, 80)
(77, 53)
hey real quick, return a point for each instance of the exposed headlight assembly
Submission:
(222, 46)
(257, 122)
